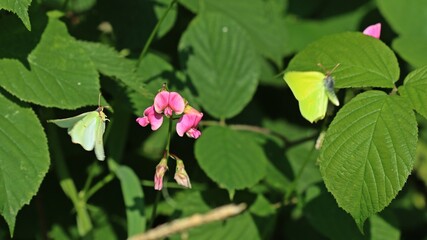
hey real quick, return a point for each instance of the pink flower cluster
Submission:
(169, 103)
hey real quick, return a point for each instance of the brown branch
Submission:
(195, 220)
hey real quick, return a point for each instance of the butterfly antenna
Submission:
(333, 69)
(99, 100)
(326, 71)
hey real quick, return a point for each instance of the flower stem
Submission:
(153, 34)
(167, 154)
(84, 222)
(99, 185)
(260, 130)
(294, 183)
(169, 138)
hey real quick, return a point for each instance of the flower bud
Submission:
(181, 176)
(161, 168)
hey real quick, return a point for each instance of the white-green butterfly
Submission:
(86, 129)
(312, 89)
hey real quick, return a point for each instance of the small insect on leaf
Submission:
(86, 129)
(312, 89)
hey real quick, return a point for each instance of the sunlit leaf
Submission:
(263, 20)
(369, 152)
(364, 61)
(230, 158)
(24, 157)
(221, 62)
(60, 73)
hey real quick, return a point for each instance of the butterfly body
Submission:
(312, 89)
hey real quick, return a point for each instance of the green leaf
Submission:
(221, 62)
(325, 216)
(369, 152)
(133, 198)
(364, 61)
(152, 73)
(24, 157)
(382, 228)
(421, 162)
(142, 83)
(230, 158)
(415, 90)
(411, 49)
(405, 17)
(103, 228)
(265, 216)
(61, 75)
(262, 20)
(302, 157)
(304, 32)
(109, 62)
(20, 7)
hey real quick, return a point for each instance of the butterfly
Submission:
(86, 129)
(312, 89)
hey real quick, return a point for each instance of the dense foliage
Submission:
(217, 122)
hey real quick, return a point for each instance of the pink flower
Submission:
(188, 123)
(168, 103)
(151, 117)
(161, 168)
(373, 30)
(181, 176)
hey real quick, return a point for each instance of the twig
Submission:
(195, 220)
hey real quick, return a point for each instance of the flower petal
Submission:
(156, 121)
(194, 133)
(176, 102)
(168, 112)
(373, 30)
(184, 124)
(161, 101)
(143, 121)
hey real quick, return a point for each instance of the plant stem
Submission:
(99, 185)
(169, 138)
(260, 130)
(84, 223)
(153, 34)
(156, 200)
(299, 174)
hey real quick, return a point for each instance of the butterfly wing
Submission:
(68, 122)
(313, 107)
(99, 142)
(309, 89)
(84, 131)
